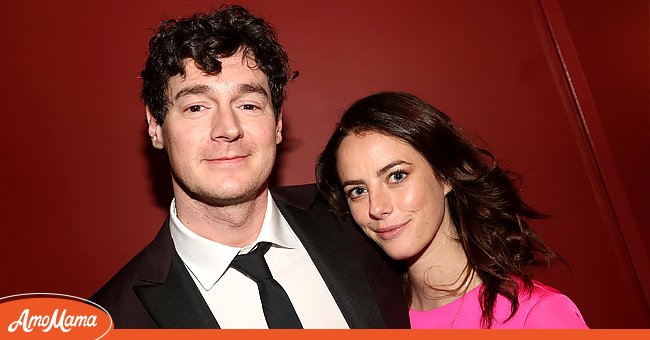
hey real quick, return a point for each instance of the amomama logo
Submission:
(45, 313)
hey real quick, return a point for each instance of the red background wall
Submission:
(557, 89)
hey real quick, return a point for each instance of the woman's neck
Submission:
(440, 274)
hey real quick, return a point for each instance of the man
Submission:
(213, 86)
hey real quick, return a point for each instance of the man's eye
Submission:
(195, 108)
(248, 107)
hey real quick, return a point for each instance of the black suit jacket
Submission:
(155, 290)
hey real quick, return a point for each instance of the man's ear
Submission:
(155, 131)
(278, 129)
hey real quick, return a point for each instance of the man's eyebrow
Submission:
(196, 89)
(252, 88)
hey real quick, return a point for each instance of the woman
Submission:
(441, 206)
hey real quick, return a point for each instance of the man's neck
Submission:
(235, 225)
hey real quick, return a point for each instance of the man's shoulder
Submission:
(301, 195)
(340, 241)
(296, 188)
(129, 275)
(149, 266)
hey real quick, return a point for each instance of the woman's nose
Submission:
(380, 204)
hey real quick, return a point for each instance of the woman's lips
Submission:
(391, 232)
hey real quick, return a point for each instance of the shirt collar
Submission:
(208, 260)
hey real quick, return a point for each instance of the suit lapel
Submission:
(170, 295)
(325, 241)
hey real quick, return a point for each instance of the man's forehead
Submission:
(194, 80)
(230, 65)
(242, 56)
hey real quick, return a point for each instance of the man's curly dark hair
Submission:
(205, 38)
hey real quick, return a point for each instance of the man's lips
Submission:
(227, 159)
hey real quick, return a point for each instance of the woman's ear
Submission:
(447, 187)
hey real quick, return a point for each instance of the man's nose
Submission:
(226, 126)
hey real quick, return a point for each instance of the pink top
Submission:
(545, 308)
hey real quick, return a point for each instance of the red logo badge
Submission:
(39, 314)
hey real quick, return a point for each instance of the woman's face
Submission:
(392, 192)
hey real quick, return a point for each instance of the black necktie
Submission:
(278, 310)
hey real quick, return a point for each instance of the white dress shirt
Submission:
(233, 298)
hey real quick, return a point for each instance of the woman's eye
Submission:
(356, 192)
(397, 176)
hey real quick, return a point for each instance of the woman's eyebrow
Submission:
(389, 166)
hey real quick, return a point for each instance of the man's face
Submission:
(220, 132)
